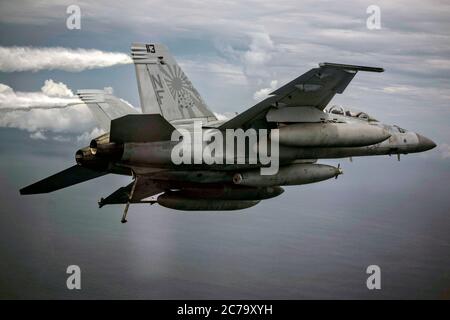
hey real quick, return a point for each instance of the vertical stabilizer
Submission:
(164, 88)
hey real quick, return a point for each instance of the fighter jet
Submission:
(294, 118)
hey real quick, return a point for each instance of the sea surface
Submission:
(312, 242)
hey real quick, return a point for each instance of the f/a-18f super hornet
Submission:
(141, 144)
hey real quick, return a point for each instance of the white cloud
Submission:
(246, 44)
(56, 89)
(224, 71)
(224, 116)
(37, 111)
(58, 58)
(88, 136)
(397, 89)
(417, 93)
(61, 138)
(38, 135)
(258, 57)
(260, 49)
(70, 120)
(264, 92)
(52, 94)
(109, 90)
(4, 89)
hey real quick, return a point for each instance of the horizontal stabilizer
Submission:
(140, 128)
(105, 107)
(63, 179)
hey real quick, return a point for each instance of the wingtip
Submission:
(29, 190)
(25, 191)
(350, 67)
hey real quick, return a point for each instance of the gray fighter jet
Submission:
(295, 117)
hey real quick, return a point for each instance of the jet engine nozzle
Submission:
(109, 150)
(93, 147)
(237, 178)
(85, 158)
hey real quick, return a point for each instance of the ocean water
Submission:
(312, 242)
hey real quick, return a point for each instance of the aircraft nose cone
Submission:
(425, 143)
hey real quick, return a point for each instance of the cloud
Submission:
(397, 89)
(61, 138)
(14, 59)
(260, 49)
(38, 135)
(263, 93)
(258, 58)
(4, 89)
(224, 71)
(56, 89)
(246, 45)
(52, 94)
(109, 90)
(423, 94)
(224, 116)
(54, 108)
(88, 136)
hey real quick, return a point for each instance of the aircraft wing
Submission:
(314, 88)
(66, 178)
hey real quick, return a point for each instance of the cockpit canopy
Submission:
(347, 112)
(401, 130)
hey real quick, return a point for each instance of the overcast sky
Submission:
(234, 52)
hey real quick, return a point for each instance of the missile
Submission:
(331, 134)
(175, 201)
(295, 174)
